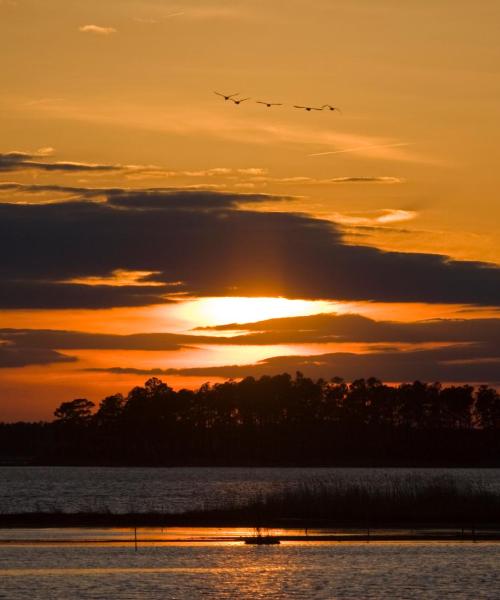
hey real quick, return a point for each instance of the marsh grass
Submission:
(394, 500)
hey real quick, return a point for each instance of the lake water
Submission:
(70, 489)
(317, 571)
(37, 563)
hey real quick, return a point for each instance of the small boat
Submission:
(261, 540)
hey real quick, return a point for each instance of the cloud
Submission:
(363, 149)
(452, 364)
(328, 328)
(72, 340)
(120, 278)
(17, 161)
(44, 102)
(43, 293)
(253, 171)
(450, 350)
(303, 180)
(38, 188)
(207, 241)
(185, 195)
(217, 171)
(152, 21)
(45, 151)
(381, 217)
(97, 29)
(22, 357)
(315, 329)
(242, 127)
(363, 180)
(173, 200)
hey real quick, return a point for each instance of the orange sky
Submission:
(103, 102)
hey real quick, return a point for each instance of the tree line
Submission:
(271, 420)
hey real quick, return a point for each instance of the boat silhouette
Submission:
(263, 540)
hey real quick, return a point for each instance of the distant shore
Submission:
(230, 519)
(276, 420)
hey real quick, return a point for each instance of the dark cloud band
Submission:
(22, 357)
(18, 161)
(444, 364)
(205, 240)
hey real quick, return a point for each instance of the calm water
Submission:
(220, 569)
(175, 490)
(233, 571)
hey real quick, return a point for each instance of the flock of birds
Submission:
(237, 101)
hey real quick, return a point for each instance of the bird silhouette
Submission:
(268, 104)
(308, 108)
(330, 107)
(238, 100)
(226, 96)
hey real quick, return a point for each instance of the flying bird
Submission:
(330, 107)
(226, 96)
(239, 100)
(308, 108)
(268, 104)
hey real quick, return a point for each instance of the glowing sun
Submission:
(218, 311)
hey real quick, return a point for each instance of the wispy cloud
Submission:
(253, 171)
(45, 151)
(196, 13)
(44, 102)
(154, 21)
(16, 161)
(244, 127)
(214, 12)
(91, 193)
(303, 180)
(363, 180)
(381, 217)
(97, 29)
(120, 278)
(362, 148)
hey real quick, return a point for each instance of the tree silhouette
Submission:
(77, 411)
(275, 419)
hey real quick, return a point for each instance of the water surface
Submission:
(322, 571)
(72, 489)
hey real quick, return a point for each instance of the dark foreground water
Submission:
(70, 489)
(322, 571)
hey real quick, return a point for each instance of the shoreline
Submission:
(493, 463)
(355, 536)
(227, 519)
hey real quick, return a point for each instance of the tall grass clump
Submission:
(394, 500)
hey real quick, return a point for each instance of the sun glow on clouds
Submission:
(216, 311)
(97, 29)
(121, 277)
(380, 217)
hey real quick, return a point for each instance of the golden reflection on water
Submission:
(350, 571)
(125, 536)
(68, 572)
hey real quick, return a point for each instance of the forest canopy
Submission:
(271, 420)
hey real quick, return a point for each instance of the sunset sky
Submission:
(148, 226)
